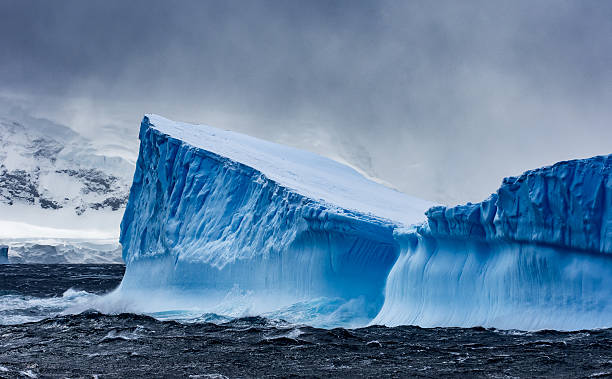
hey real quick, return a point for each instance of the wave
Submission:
(19, 309)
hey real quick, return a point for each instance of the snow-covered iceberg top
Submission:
(306, 173)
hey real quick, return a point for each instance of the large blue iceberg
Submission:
(221, 222)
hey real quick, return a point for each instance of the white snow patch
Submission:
(306, 173)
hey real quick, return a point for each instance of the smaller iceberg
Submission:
(534, 255)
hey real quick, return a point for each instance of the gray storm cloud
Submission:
(440, 99)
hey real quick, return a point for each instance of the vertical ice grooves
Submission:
(568, 205)
(203, 222)
(536, 254)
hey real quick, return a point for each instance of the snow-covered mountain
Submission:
(57, 187)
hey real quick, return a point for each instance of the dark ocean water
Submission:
(91, 344)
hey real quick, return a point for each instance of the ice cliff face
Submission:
(225, 223)
(533, 255)
(567, 205)
(247, 220)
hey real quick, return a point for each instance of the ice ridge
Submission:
(568, 204)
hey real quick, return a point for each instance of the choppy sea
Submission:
(43, 335)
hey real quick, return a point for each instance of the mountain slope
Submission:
(55, 186)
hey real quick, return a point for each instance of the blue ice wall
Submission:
(568, 205)
(533, 255)
(196, 221)
(503, 284)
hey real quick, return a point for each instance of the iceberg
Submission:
(534, 255)
(220, 222)
(213, 212)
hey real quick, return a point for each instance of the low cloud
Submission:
(440, 99)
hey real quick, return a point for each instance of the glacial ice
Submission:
(535, 254)
(501, 284)
(568, 204)
(221, 222)
(60, 251)
(4, 254)
(216, 210)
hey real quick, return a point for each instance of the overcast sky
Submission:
(439, 98)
